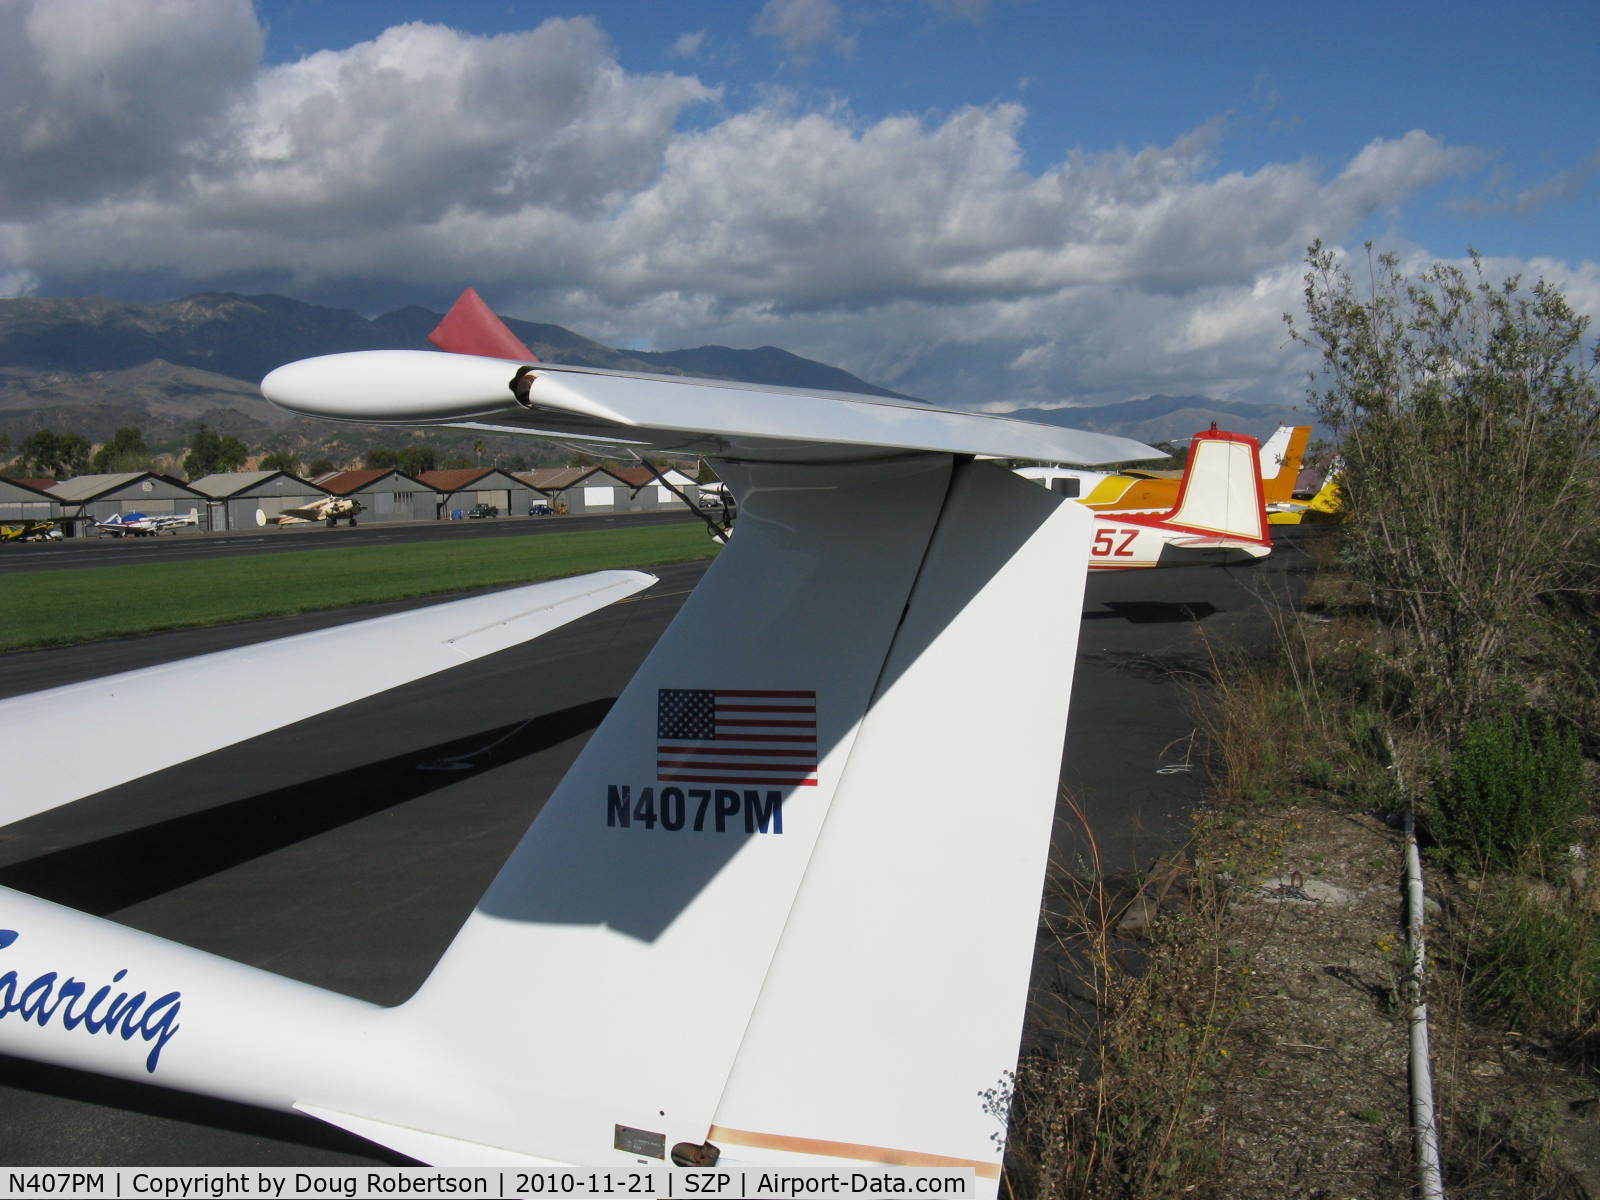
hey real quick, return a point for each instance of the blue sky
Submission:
(986, 202)
(1520, 84)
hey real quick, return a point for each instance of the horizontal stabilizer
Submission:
(289, 679)
(1218, 543)
(715, 417)
(1211, 547)
(432, 1148)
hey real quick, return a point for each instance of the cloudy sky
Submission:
(992, 203)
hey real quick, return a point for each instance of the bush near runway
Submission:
(58, 608)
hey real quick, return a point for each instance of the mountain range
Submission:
(93, 365)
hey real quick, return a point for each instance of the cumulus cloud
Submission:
(688, 45)
(1561, 188)
(424, 120)
(919, 251)
(355, 161)
(17, 283)
(101, 95)
(803, 26)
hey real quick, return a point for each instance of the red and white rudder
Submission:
(1220, 514)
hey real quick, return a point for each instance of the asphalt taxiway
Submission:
(96, 551)
(346, 850)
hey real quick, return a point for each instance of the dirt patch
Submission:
(1313, 1099)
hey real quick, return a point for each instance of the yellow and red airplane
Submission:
(29, 531)
(1151, 491)
(1217, 515)
(1326, 506)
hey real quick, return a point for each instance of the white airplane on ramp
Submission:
(141, 525)
(781, 910)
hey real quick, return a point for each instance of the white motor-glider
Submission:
(782, 908)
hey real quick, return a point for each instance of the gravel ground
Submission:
(1313, 1100)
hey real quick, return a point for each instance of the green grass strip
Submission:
(58, 608)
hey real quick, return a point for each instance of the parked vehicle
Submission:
(541, 510)
(482, 510)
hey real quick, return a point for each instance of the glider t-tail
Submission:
(782, 908)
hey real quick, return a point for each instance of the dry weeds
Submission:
(1251, 1041)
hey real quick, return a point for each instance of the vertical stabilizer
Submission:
(1221, 490)
(1281, 457)
(898, 991)
(599, 994)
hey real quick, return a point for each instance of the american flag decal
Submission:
(715, 735)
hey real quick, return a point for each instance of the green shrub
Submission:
(1536, 962)
(1496, 389)
(1513, 789)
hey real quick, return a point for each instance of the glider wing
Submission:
(290, 679)
(675, 413)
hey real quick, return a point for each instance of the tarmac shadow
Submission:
(1153, 612)
(111, 873)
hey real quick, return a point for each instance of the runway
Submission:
(345, 851)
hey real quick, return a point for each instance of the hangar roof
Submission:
(455, 481)
(554, 478)
(40, 485)
(231, 483)
(342, 483)
(637, 477)
(87, 487)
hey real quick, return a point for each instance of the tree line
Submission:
(46, 453)
(64, 455)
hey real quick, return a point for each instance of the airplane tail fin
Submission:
(674, 931)
(471, 327)
(1220, 495)
(1281, 457)
(1330, 496)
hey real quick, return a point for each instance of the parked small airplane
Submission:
(1145, 491)
(1327, 505)
(140, 525)
(29, 531)
(330, 509)
(1218, 515)
(718, 851)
